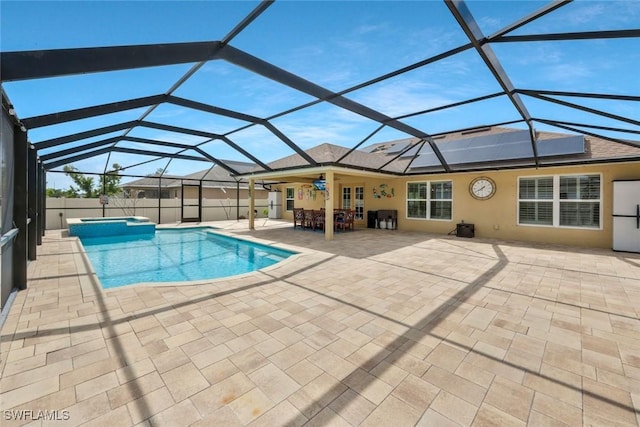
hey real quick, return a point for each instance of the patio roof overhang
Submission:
(308, 174)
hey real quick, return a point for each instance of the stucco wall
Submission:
(59, 209)
(493, 218)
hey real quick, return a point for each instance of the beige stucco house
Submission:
(566, 198)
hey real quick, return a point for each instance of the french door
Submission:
(353, 198)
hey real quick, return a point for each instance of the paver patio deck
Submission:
(374, 328)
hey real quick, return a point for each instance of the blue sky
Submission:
(335, 44)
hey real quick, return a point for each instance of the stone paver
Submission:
(373, 328)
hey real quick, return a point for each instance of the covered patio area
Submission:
(371, 328)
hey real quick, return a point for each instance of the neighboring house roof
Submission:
(218, 173)
(214, 177)
(150, 182)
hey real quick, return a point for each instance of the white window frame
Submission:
(428, 201)
(556, 201)
(287, 198)
(344, 192)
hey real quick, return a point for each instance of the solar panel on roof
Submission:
(504, 146)
(479, 141)
(425, 160)
(397, 148)
(561, 146)
(374, 148)
(410, 152)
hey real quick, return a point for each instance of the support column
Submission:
(237, 200)
(252, 204)
(328, 206)
(104, 191)
(43, 203)
(32, 202)
(20, 207)
(159, 201)
(200, 201)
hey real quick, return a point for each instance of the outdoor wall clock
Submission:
(482, 188)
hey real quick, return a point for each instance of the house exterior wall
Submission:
(495, 218)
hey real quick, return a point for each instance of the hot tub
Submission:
(113, 226)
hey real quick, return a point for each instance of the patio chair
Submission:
(338, 218)
(298, 218)
(318, 219)
(346, 221)
(308, 221)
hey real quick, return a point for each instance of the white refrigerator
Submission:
(275, 204)
(626, 216)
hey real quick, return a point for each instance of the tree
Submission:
(88, 187)
(57, 193)
(112, 180)
(85, 183)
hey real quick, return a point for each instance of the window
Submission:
(290, 195)
(535, 201)
(346, 198)
(430, 200)
(560, 201)
(147, 194)
(440, 204)
(580, 201)
(359, 203)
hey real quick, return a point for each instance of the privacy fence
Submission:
(160, 211)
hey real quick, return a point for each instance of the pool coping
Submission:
(91, 220)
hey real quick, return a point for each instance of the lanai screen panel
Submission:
(6, 211)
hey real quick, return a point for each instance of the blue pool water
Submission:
(175, 256)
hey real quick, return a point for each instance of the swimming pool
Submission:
(175, 255)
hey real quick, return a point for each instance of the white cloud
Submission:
(489, 24)
(180, 138)
(629, 11)
(586, 13)
(567, 72)
(370, 28)
(324, 124)
(592, 15)
(403, 96)
(217, 67)
(538, 54)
